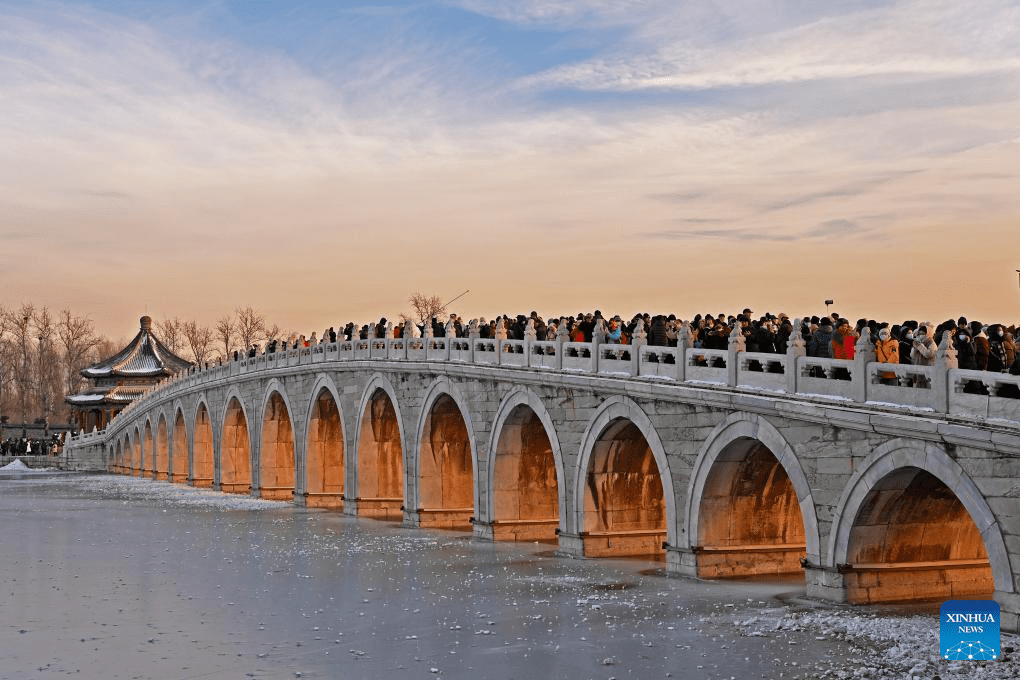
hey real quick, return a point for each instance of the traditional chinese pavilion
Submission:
(119, 380)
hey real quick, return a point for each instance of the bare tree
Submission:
(8, 361)
(200, 340)
(250, 326)
(171, 332)
(226, 330)
(426, 306)
(77, 335)
(19, 323)
(48, 380)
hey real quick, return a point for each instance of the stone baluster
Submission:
(598, 338)
(449, 337)
(864, 354)
(639, 340)
(683, 343)
(737, 345)
(941, 385)
(562, 337)
(795, 349)
(500, 337)
(530, 336)
(408, 336)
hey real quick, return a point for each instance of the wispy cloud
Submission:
(857, 188)
(835, 228)
(322, 147)
(918, 38)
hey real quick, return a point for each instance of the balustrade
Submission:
(942, 388)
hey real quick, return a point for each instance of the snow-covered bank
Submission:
(884, 646)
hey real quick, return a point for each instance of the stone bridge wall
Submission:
(722, 470)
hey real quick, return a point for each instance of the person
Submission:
(657, 335)
(923, 349)
(980, 339)
(964, 347)
(1001, 352)
(843, 340)
(887, 351)
(820, 345)
(615, 334)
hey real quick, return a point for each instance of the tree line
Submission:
(42, 353)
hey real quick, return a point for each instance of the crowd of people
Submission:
(23, 446)
(979, 346)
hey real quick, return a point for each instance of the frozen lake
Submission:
(114, 577)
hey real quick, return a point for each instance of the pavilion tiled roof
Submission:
(144, 357)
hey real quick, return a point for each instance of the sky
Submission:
(321, 161)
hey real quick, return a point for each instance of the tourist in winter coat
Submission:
(615, 332)
(820, 344)
(843, 340)
(887, 351)
(923, 351)
(1001, 352)
(657, 332)
(906, 344)
(964, 346)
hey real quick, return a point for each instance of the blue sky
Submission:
(630, 155)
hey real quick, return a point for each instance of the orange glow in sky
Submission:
(323, 164)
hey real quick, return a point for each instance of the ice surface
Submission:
(121, 577)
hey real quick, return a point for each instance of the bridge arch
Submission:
(277, 453)
(749, 507)
(136, 453)
(445, 465)
(162, 465)
(378, 459)
(616, 509)
(179, 438)
(116, 462)
(125, 454)
(890, 473)
(235, 446)
(148, 449)
(510, 512)
(202, 462)
(323, 467)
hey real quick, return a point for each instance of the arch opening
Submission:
(913, 539)
(147, 451)
(624, 504)
(162, 468)
(179, 457)
(324, 466)
(525, 489)
(276, 459)
(235, 451)
(380, 460)
(445, 468)
(115, 464)
(136, 455)
(749, 521)
(203, 466)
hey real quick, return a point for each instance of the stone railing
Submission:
(939, 389)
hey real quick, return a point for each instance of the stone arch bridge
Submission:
(721, 463)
